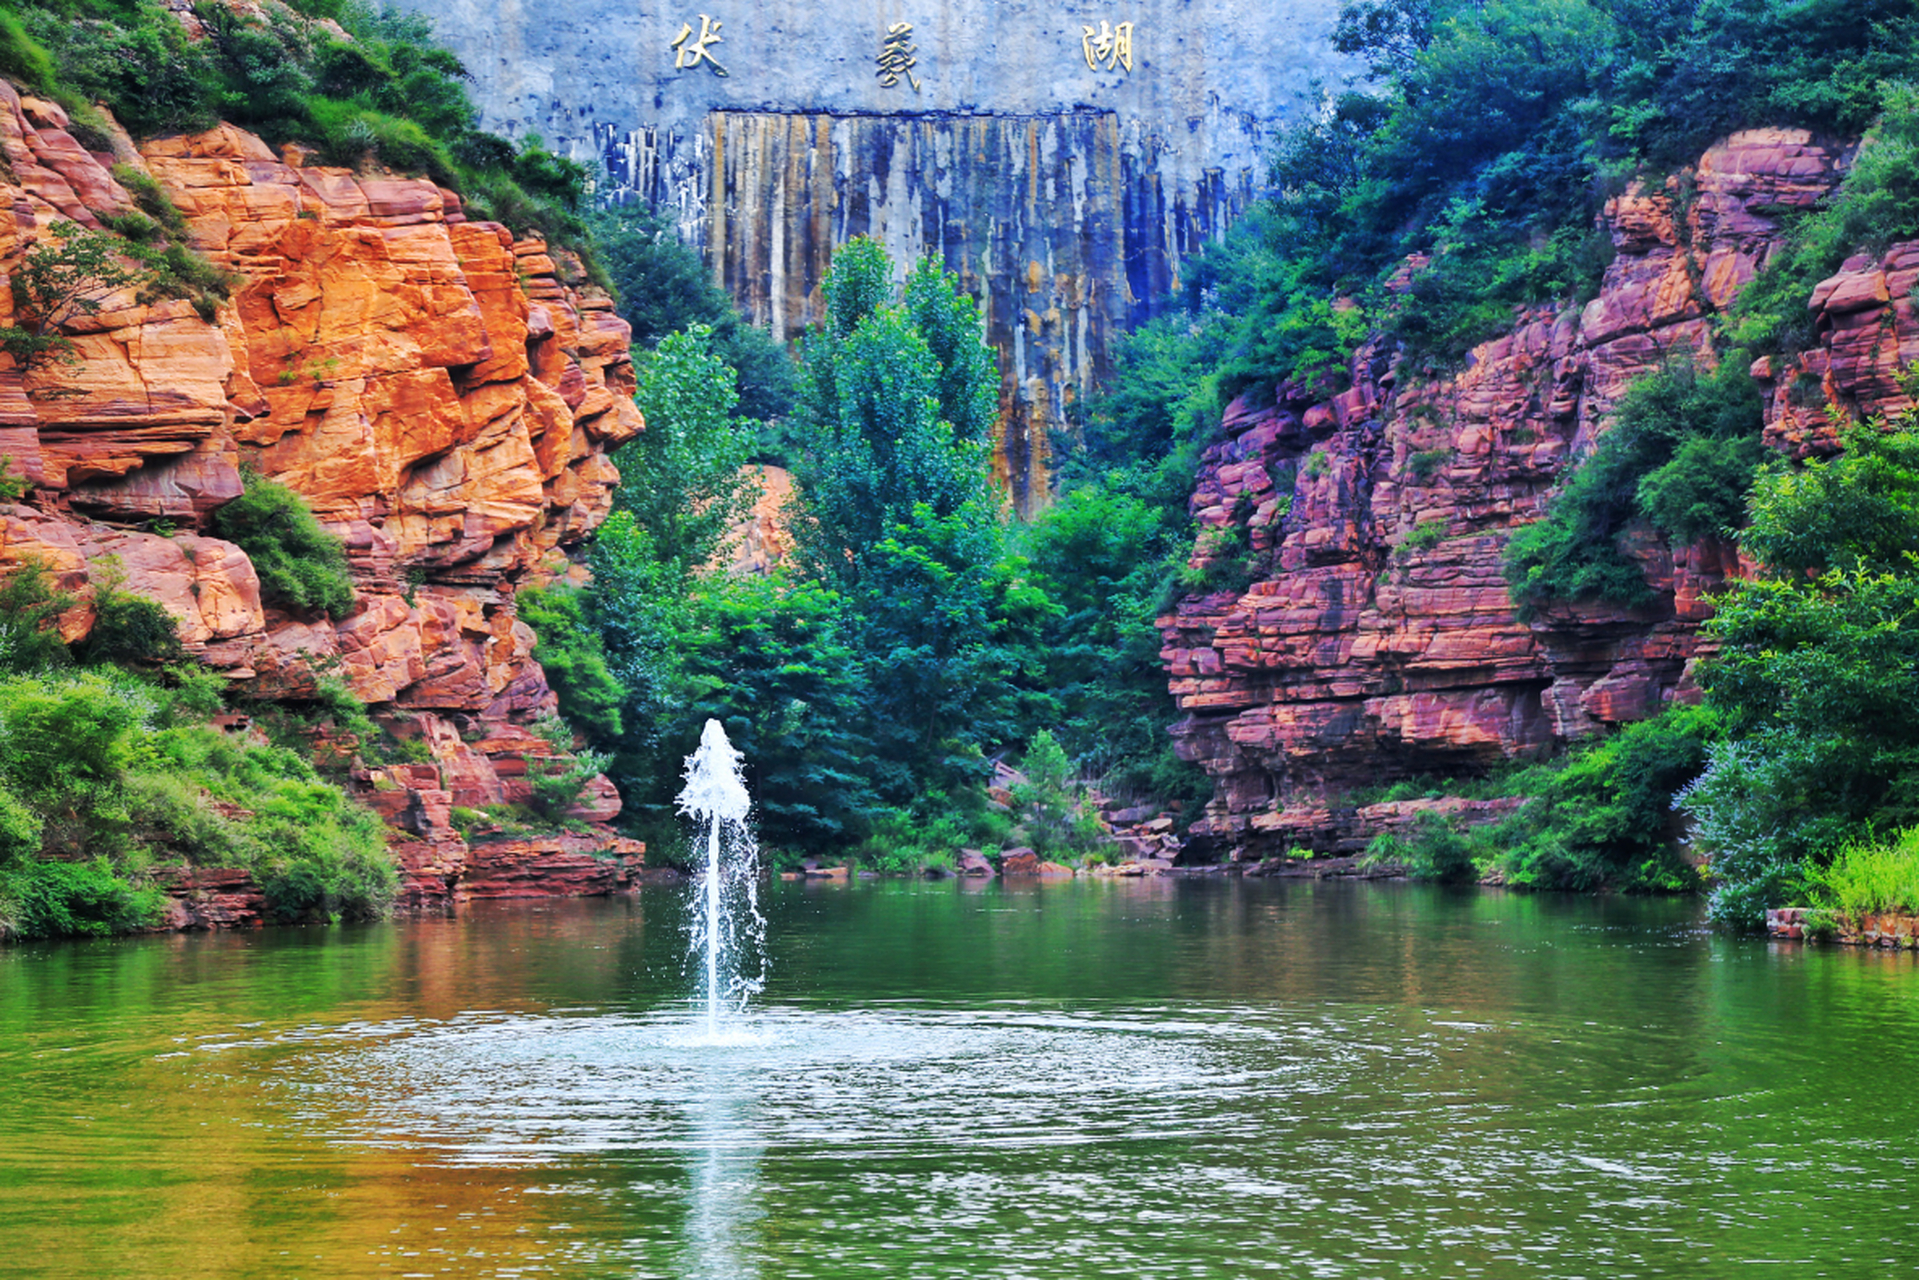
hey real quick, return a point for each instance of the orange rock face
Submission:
(1384, 643)
(439, 392)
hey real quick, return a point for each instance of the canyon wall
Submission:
(1382, 642)
(442, 395)
(1061, 165)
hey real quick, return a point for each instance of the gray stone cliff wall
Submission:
(1064, 194)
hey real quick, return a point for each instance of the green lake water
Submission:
(1152, 1078)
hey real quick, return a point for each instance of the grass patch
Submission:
(1870, 877)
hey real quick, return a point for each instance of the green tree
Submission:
(683, 479)
(1050, 803)
(879, 409)
(896, 513)
(1820, 661)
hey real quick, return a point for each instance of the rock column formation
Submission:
(444, 397)
(1381, 642)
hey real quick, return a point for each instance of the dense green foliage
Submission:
(387, 94)
(1819, 666)
(663, 288)
(896, 513)
(1602, 817)
(301, 566)
(104, 775)
(1679, 457)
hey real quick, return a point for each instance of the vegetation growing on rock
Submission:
(360, 83)
(105, 776)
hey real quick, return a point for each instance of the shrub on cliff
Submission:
(570, 651)
(114, 775)
(127, 628)
(1680, 456)
(1877, 203)
(302, 567)
(387, 93)
(30, 609)
(62, 279)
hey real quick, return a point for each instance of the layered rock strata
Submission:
(1381, 642)
(442, 394)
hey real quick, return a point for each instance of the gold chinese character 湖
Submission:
(1112, 45)
(896, 60)
(690, 50)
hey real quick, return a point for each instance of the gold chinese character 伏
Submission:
(896, 60)
(690, 50)
(1112, 45)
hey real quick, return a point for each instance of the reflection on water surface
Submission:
(1159, 1078)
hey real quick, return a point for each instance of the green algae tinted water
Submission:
(1141, 1079)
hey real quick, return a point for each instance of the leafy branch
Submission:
(63, 278)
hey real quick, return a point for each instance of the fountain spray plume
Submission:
(727, 927)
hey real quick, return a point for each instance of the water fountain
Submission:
(727, 928)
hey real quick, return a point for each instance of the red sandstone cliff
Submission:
(442, 395)
(1369, 653)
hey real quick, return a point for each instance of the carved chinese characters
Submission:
(1111, 45)
(689, 50)
(898, 57)
(1107, 47)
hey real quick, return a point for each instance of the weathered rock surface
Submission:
(1382, 642)
(443, 395)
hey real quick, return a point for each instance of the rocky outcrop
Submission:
(1381, 642)
(442, 394)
